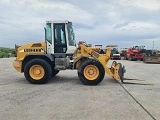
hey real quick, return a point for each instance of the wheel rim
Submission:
(36, 72)
(91, 72)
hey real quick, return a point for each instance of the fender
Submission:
(48, 57)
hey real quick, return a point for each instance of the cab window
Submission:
(48, 33)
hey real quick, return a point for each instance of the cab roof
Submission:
(59, 21)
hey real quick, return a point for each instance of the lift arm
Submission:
(116, 70)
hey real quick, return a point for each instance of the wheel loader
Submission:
(41, 61)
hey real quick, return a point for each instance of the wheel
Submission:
(125, 58)
(91, 72)
(141, 59)
(54, 72)
(130, 58)
(37, 71)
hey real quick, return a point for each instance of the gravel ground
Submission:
(66, 98)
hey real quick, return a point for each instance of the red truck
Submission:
(135, 53)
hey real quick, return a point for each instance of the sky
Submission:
(122, 22)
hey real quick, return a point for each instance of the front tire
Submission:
(91, 72)
(37, 71)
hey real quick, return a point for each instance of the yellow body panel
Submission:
(33, 48)
(28, 49)
(17, 65)
(78, 64)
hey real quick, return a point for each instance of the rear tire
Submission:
(54, 72)
(91, 72)
(37, 71)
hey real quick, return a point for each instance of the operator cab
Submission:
(59, 37)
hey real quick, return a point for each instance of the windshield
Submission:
(48, 32)
(70, 34)
(139, 47)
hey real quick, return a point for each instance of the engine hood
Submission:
(32, 48)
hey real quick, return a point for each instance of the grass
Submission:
(7, 52)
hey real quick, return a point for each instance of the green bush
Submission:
(7, 52)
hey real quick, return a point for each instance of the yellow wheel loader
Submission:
(40, 61)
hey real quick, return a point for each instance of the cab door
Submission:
(60, 43)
